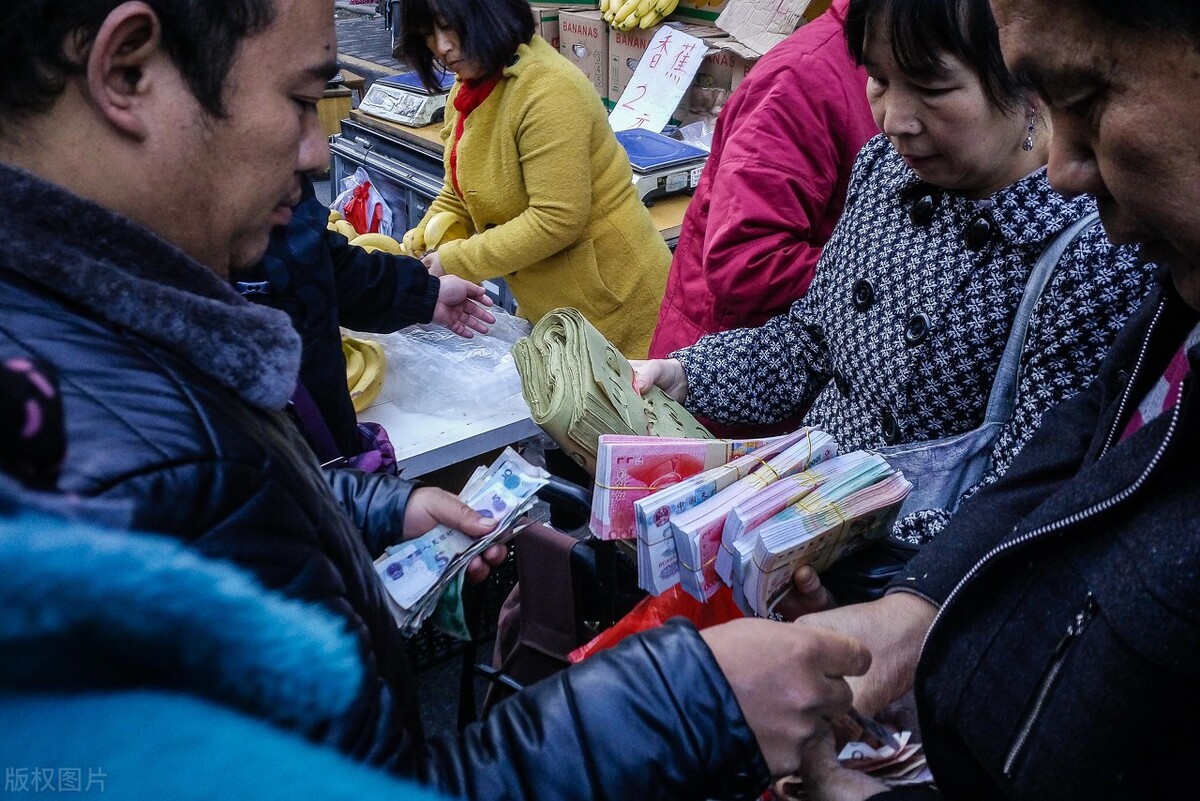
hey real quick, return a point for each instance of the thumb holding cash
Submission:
(788, 680)
(430, 506)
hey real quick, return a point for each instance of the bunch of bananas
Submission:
(368, 242)
(625, 15)
(445, 226)
(365, 368)
(442, 227)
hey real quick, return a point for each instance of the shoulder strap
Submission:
(1004, 386)
(313, 425)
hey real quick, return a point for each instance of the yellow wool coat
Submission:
(548, 195)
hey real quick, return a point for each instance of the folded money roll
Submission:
(578, 386)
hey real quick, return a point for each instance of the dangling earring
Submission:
(1027, 145)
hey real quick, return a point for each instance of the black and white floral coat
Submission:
(899, 337)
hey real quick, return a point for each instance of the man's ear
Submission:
(119, 64)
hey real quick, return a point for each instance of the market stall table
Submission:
(428, 442)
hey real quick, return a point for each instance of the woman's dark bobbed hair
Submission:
(489, 32)
(922, 32)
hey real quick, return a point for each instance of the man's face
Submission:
(1125, 108)
(238, 176)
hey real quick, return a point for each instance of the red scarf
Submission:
(470, 97)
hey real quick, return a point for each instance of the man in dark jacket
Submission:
(1055, 626)
(146, 150)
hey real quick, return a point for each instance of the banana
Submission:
(665, 7)
(650, 20)
(624, 12)
(445, 226)
(414, 240)
(370, 242)
(355, 364)
(644, 7)
(366, 389)
(604, 4)
(344, 228)
(334, 215)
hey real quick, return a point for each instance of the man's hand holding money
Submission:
(430, 506)
(789, 681)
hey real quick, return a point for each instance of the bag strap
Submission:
(1004, 387)
(313, 425)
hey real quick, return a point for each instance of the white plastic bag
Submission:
(432, 370)
(362, 205)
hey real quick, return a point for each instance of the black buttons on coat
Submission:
(978, 232)
(921, 212)
(917, 329)
(864, 294)
(842, 383)
(889, 427)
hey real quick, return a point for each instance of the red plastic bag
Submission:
(363, 206)
(654, 610)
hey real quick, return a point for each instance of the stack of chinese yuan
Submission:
(843, 504)
(747, 522)
(578, 386)
(629, 468)
(658, 567)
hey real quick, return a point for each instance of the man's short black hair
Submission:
(200, 36)
(489, 32)
(923, 32)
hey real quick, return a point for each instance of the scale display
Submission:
(404, 99)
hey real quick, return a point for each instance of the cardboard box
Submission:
(701, 12)
(626, 48)
(762, 24)
(583, 39)
(721, 71)
(545, 21)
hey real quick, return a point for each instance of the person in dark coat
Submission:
(323, 282)
(1054, 627)
(137, 175)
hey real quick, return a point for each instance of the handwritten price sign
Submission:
(662, 76)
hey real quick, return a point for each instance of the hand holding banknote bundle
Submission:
(417, 572)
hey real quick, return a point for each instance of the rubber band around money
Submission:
(767, 464)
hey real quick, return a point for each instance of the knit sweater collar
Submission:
(122, 273)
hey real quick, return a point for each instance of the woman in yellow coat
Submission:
(535, 173)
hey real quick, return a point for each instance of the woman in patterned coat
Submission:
(900, 335)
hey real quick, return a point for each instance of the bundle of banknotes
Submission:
(848, 502)
(629, 468)
(658, 565)
(578, 387)
(697, 531)
(416, 573)
(750, 522)
(894, 767)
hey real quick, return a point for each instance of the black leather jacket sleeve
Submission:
(375, 502)
(653, 718)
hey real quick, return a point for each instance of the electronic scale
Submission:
(662, 166)
(404, 99)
